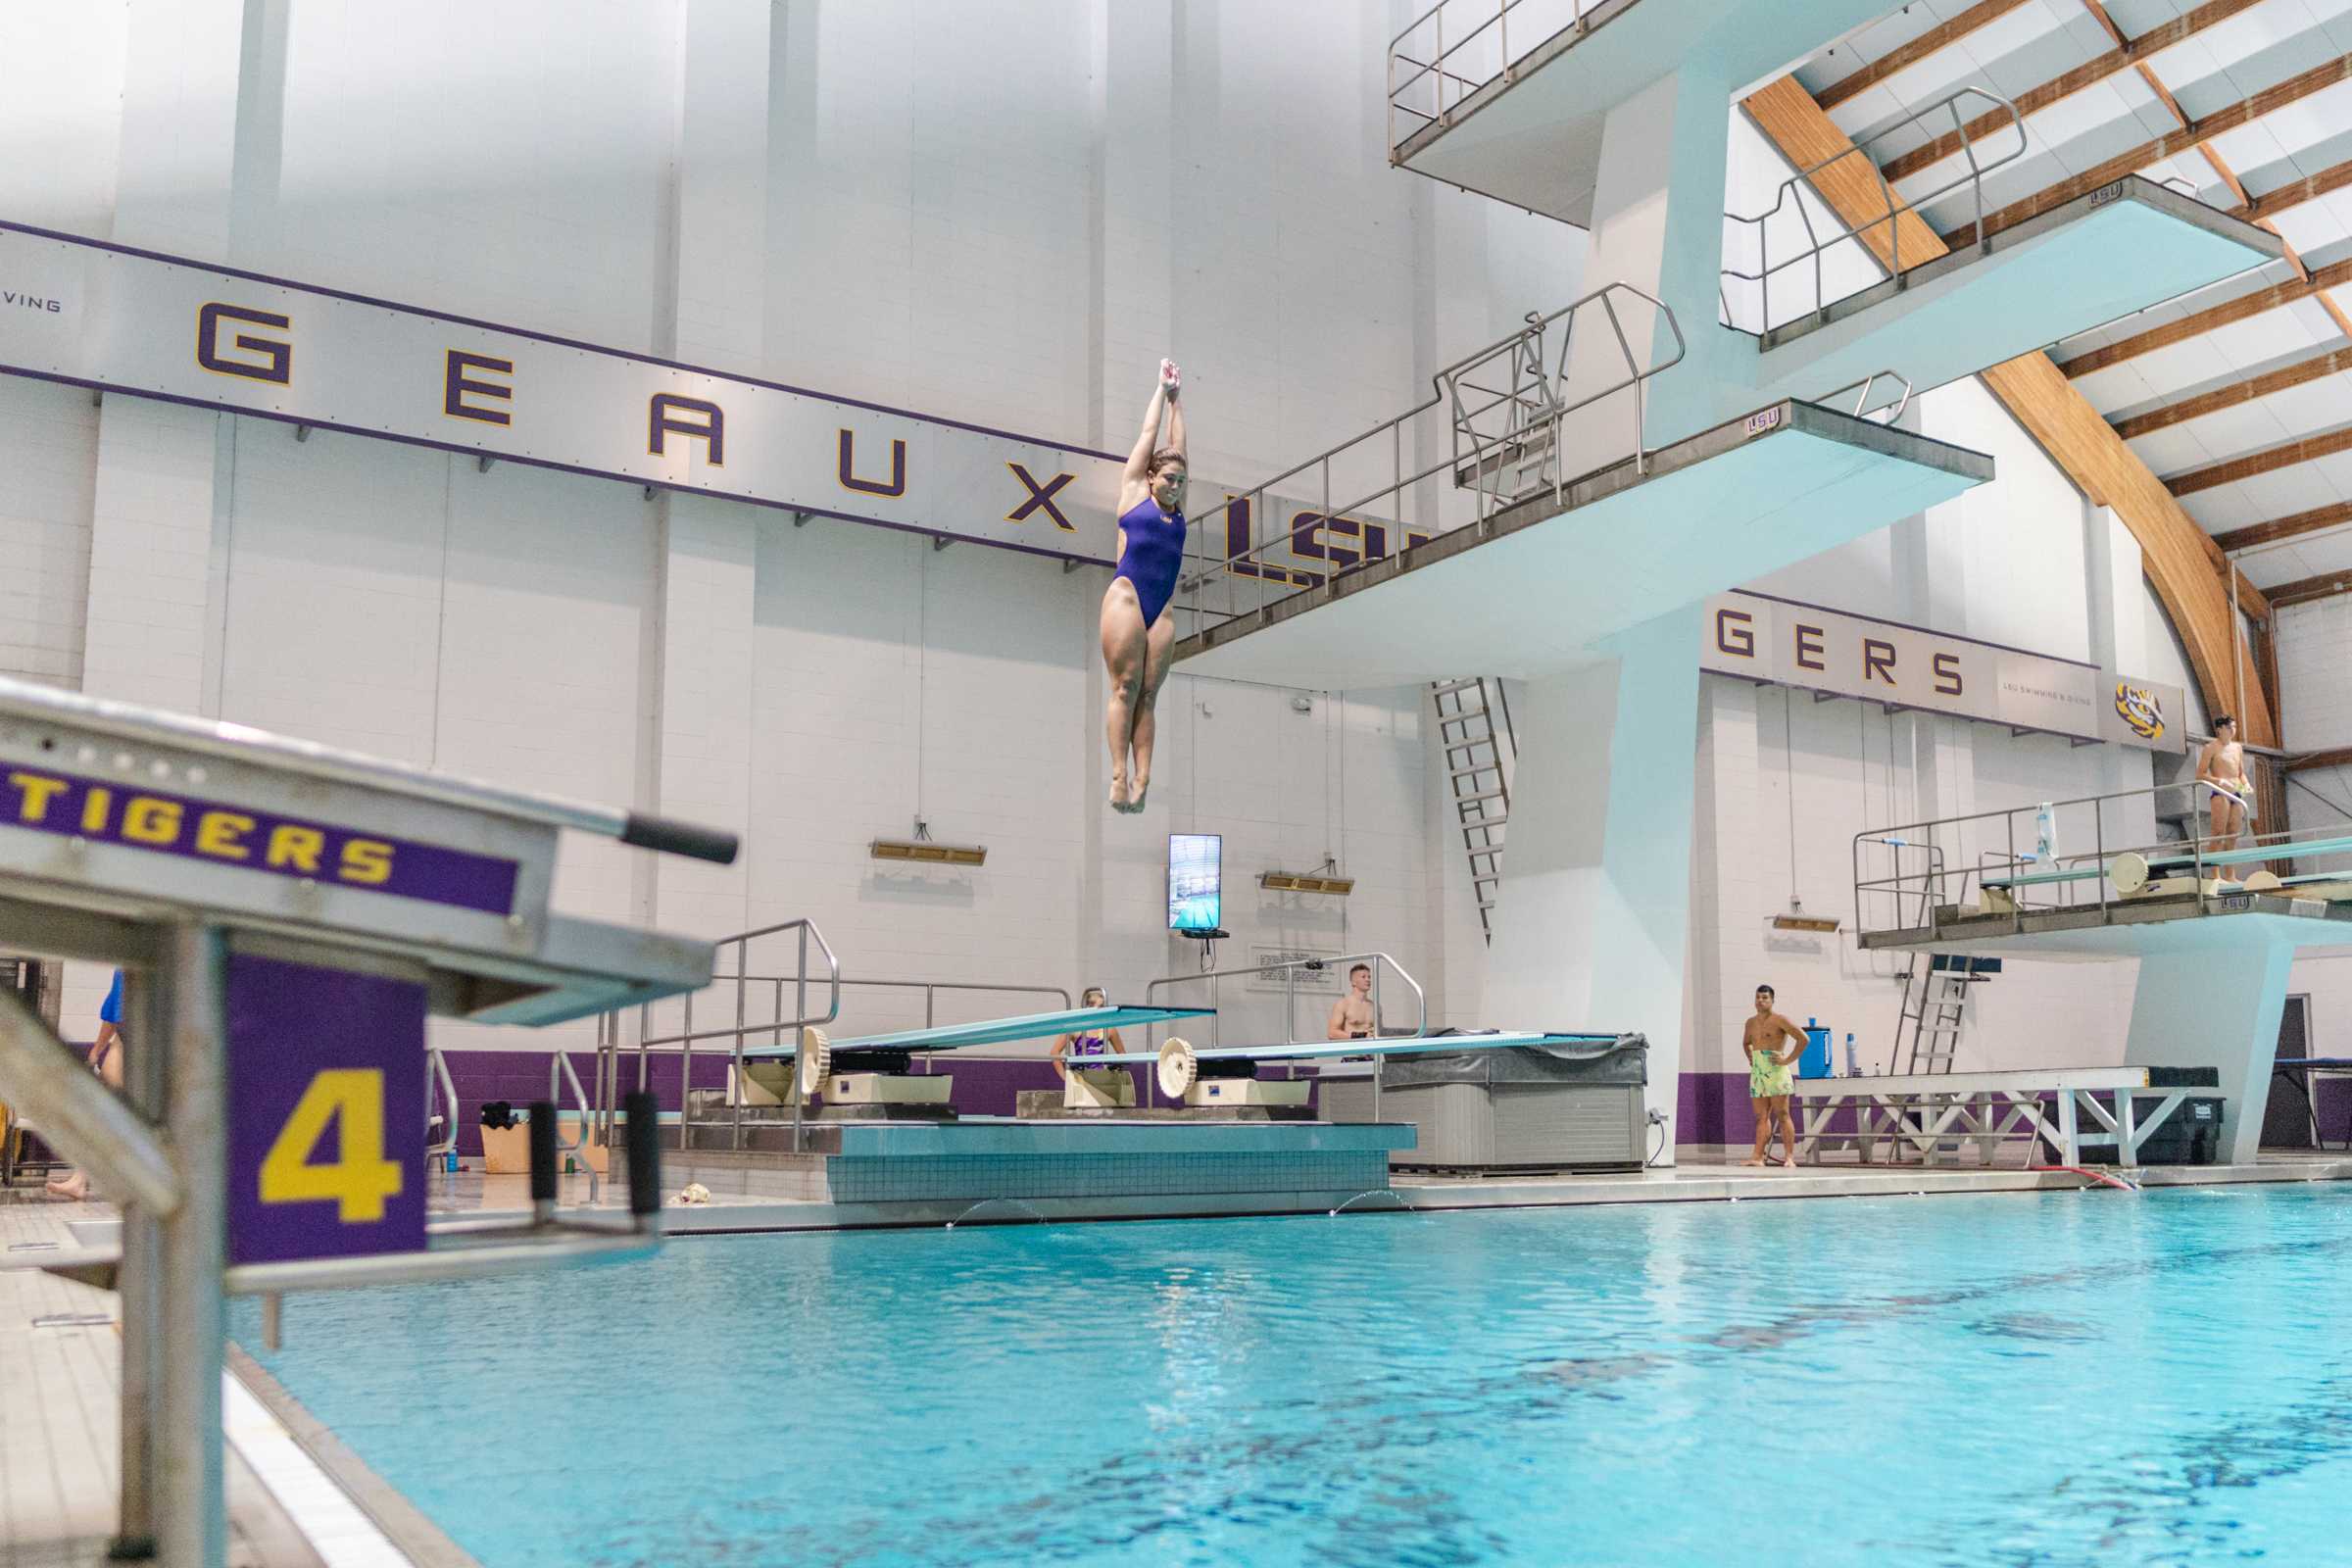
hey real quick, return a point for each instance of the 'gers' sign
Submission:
(1789, 644)
(126, 320)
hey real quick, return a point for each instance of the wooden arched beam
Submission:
(2186, 569)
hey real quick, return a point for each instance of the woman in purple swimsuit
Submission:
(1138, 632)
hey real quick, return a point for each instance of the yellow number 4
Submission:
(360, 1178)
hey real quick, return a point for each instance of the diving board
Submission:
(2105, 255)
(1541, 586)
(987, 1031)
(2212, 957)
(1179, 1063)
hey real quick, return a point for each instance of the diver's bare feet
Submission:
(1788, 1163)
(1135, 802)
(76, 1187)
(1758, 1160)
(1118, 790)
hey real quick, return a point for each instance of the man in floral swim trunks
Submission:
(1769, 1080)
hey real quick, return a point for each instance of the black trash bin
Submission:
(2190, 1135)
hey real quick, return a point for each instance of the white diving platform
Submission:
(2213, 956)
(2104, 255)
(1532, 588)
(1919, 1114)
(1531, 134)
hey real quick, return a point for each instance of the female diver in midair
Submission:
(1138, 632)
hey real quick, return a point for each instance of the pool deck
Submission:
(297, 1499)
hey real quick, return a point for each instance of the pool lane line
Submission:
(352, 1517)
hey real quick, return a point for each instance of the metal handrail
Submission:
(1863, 389)
(1537, 401)
(1934, 886)
(437, 1061)
(1440, 52)
(1792, 191)
(1377, 959)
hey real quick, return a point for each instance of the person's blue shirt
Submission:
(111, 1009)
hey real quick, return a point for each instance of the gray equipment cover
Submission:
(1626, 1061)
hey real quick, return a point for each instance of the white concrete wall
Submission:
(2315, 694)
(1005, 215)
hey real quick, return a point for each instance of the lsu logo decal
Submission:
(2137, 706)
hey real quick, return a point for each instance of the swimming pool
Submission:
(2051, 1380)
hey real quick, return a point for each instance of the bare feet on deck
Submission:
(74, 1188)
(1751, 1162)
(1788, 1163)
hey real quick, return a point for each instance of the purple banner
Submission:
(326, 1113)
(70, 807)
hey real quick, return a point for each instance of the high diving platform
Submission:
(1509, 98)
(1534, 585)
(2214, 928)
(2096, 259)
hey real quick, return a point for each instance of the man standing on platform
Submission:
(1769, 1080)
(2221, 770)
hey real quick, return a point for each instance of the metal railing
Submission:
(1792, 194)
(1506, 407)
(1380, 962)
(1481, 27)
(1863, 391)
(1959, 863)
(437, 1065)
(775, 1028)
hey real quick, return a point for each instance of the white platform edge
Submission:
(337, 1530)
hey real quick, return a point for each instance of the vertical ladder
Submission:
(1935, 1012)
(1474, 737)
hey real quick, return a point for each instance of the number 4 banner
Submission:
(325, 1112)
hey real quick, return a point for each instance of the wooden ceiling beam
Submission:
(2243, 308)
(2269, 460)
(2089, 73)
(2187, 138)
(2293, 525)
(2303, 590)
(1918, 49)
(2299, 373)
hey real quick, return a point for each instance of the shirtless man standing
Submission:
(2223, 765)
(1351, 1015)
(1767, 1077)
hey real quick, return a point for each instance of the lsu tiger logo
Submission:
(2138, 707)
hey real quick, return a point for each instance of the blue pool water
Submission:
(2032, 1379)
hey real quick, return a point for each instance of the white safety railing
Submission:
(1505, 410)
(1456, 47)
(1799, 214)
(760, 1017)
(1921, 877)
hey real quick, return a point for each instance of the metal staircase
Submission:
(1474, 736)
(1936, 1001)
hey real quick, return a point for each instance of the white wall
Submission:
(2314, 696)
(1005, 215)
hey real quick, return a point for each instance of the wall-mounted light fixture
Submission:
(1307, 882)
(923, 849)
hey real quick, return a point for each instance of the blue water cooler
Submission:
(1814, 1060)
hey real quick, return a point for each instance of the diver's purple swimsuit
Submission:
(1153, 554)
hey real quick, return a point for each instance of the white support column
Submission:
(2218, 1002)
(1658, 225)
(1594, 908)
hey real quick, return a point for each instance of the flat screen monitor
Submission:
(1193, 880)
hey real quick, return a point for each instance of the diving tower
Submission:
(2214, 930)
(1578, 489)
